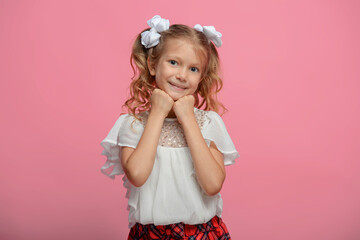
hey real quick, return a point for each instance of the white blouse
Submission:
(171, 193)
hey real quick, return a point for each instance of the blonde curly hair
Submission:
(143, 83)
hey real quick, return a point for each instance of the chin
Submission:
(175, 98)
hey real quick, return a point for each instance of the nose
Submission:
(181, 74)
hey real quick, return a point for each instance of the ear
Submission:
(151, 67)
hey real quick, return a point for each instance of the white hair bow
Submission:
(210, 33)
(151, 37)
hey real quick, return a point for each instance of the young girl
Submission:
(172, 153)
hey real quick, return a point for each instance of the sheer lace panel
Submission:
(172, 133)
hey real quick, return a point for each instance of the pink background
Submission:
(291, 75)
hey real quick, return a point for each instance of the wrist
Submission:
(187, 119)
(157, 114)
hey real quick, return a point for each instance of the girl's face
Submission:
(179, 69)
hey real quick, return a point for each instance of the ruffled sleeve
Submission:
(215, 131)
(125, 132)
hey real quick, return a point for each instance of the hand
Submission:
(161, 102)
(184, 108)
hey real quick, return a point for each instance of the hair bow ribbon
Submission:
(157, 24)
(151, 37)
(210, 33)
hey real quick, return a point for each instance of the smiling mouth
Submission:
(177, 87)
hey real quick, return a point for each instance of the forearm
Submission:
(139, 164)
(210, 174)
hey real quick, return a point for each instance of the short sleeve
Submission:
(215, 131)
(125, 132)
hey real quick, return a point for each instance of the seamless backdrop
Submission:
(291, 84)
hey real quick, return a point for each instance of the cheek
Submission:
(196, 83)
(158, 83)
(194, 88)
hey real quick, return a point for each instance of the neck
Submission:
(171, 114)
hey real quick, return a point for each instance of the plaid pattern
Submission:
(214, 229)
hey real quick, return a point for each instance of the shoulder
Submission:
(128, 119)
(210, 122)
(126, 131)
(205, 118)
(206, 113)
(126, 124)
(130, 123)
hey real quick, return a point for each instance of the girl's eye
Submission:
(194, 69)
(173, 62)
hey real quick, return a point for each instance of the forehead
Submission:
(182, 47)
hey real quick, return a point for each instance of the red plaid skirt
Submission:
(214, 229)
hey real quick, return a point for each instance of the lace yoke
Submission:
(172, 133)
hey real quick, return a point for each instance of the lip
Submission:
(177, 86)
